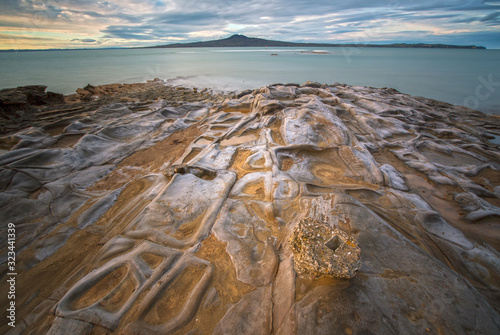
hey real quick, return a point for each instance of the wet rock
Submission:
(393, 178)
(254, 309)
(477, 207)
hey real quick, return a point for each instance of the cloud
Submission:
(84, 40)
(492, 2)
(126, 32)
(192, 18)
(22, 38)
(491, 17)
(150, 22)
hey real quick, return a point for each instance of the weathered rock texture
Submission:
(319, 250)
(27, 106)
(175, 218)
(21, 101)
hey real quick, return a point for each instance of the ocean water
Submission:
(463, 77)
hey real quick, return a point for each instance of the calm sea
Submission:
(463, 77)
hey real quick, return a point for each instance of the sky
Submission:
(46, 24)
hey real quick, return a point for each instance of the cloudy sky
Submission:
(43, 24)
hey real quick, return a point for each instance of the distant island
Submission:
(244, 41)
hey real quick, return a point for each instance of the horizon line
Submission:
(339, 45)
(333, 45)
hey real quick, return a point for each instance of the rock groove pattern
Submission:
(145, 218)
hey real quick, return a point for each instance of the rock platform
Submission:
(173, 214)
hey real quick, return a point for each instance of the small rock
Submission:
(312, 84)
(55, 98)
(90, 88)
(320, 250)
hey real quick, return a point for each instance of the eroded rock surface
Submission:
(161, 216)
(321, 250)
(22, 102)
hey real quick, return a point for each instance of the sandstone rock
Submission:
(13, 97)
(55, 98)
(15, 100)
(320, 250)
(184, 212)
(311, 84)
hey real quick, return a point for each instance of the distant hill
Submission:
(243, 41)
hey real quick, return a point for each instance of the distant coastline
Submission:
(244, 41)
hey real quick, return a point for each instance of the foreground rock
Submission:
(158, 216)
(320, 250)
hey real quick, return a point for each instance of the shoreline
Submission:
(291, 66)
(17, 112)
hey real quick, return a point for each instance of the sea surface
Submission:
(462, 77)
